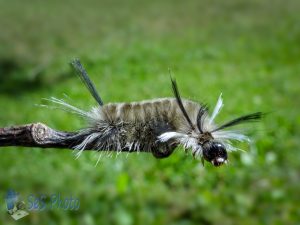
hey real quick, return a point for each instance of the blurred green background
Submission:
(248, 50)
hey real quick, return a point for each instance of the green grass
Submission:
(249, 51)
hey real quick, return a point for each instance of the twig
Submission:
(35, 135)
(41, 136)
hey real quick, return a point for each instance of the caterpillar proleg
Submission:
(157, 126)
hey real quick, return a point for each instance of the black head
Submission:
(215, 153)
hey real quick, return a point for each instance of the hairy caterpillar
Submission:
(157, 126)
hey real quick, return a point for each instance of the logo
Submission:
(18, 209)
(42, 202)
(15, 207)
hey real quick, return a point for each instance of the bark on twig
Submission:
(35, 135)
(41, 136)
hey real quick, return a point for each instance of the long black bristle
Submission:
(179, 101)
(86, 80)
(253, 117)
(201, 116)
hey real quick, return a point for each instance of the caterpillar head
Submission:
(214, 142)
(211, 150)
(215, 152)
(205, 139)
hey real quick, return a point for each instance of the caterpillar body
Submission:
(157, 126)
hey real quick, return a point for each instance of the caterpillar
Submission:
(157, 126)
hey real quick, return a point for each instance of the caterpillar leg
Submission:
(163, 152)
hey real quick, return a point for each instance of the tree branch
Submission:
(35, 135)
(41, 136)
